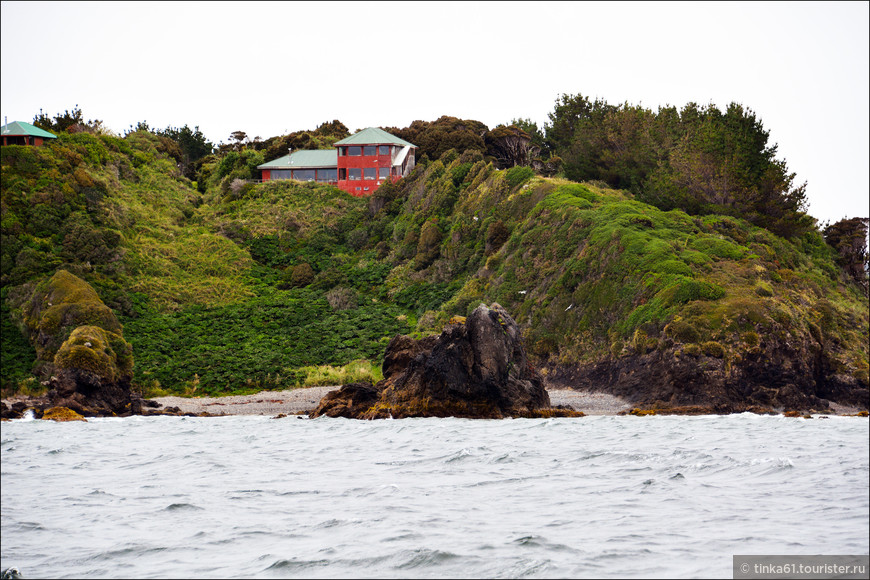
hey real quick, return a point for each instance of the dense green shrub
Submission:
(683, 331)
(496, 235)
(342, 298)
(300, 275)
(262, 342)
(518, 175)
(428, 245)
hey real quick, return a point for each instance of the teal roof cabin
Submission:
(21, 133)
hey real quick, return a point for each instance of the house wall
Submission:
(22, 140)
(266, 174)
(363, 187)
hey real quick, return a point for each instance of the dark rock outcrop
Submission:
(349, 401)
(776, 375)
(477, 368)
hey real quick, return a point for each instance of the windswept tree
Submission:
(239, 137)
(510, 146)
(849, 238)
(539, 139)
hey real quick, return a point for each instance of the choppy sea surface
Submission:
(237, 497)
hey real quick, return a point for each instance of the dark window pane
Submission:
(354, 150)
(370, 172)
(369, 150)
(383, 172)
(383, 150)
(280, 174)
(326, 175)
(354, 173)
(303, 174)
(342, 173)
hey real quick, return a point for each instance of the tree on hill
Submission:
(511, 146)
(323, 137)
(70, 122)
(434, 138)
(189, 146)
(193, 144)
(334, 128)
(239, 137)
(700, 159)
(849, 238)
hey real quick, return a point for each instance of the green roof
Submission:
(373, 136)
(304, 158)
(19, 128)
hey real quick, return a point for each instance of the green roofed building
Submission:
(305, 165)
(359, 164)
(21, 133)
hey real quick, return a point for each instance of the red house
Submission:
(21, 133)
(358, 165)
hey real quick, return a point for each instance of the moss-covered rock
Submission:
(62, 414)
(80, 348)
(58, 306)
(95, 350)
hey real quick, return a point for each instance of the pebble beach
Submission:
(301, 401)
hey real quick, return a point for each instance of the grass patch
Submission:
(354, 372)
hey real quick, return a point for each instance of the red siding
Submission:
(23, 140)
(267, 174)
(361, 162)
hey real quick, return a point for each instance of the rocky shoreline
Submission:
(303, 401)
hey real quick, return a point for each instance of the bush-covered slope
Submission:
(244, 284)
(189, 276)
(603, 283)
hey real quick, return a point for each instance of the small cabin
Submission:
(359, 164)
(21, 133)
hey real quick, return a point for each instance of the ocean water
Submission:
(238, 497)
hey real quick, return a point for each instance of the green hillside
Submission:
(228, 286)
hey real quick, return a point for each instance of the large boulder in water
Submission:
(477, 368)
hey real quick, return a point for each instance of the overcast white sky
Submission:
(271, 68)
